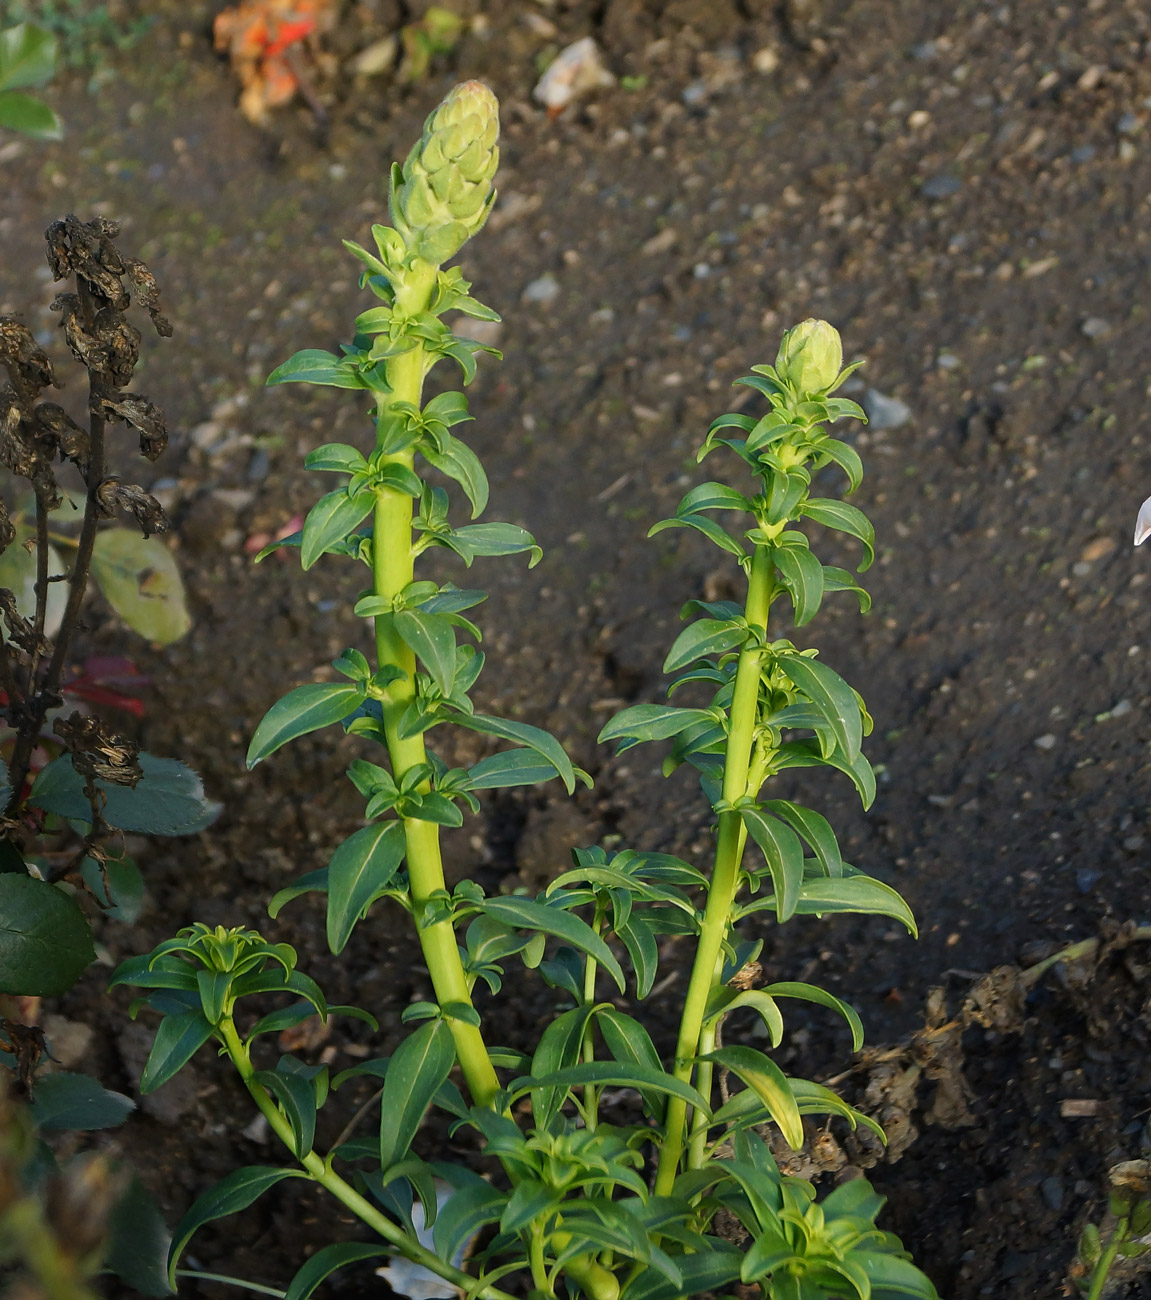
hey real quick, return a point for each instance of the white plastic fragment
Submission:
(575, 70)
(1143, 523)
(413, 1280)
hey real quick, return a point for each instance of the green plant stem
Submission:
(393, 567)
(232, 1281)
(706, 969)
(1103, 1266)
(320, 1171)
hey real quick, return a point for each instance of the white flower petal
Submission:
(1143, 523)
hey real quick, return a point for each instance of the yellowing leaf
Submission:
(140, 580)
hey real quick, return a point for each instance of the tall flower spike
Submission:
(443, 193)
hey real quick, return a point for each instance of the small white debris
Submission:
(1044, 742)
(574, 72)
(1143, 522)
(377, 58)
(413, 1280)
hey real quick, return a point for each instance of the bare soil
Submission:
(963, 190)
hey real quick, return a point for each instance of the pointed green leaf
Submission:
(615, 1075)
(522, 733)
(326, 1261)
(364, 864)
(459, 462)
(296, 1097)
(813, 993)
(141, 580)
(233, 1194)
(313, 366)
(643, 722)
(639, 940)
(859, 893)
(802, 574)
(893, 1278)
(706, 636)
(178, 1039)
(27, 56)
(304, 709)
(630, 1044)
(710, 528)
(784, 854)
(761, 1074)
(815, 829)
(845, 518)
(309, 882)
(433, 639)
(831, 695)
(527, 914)
(29, 115)
(712, 496)
(559, 1047)
(806, 753)
(510, 767)
(467, 1211)
(499, 539)
(336, 458)
(421, 1063)
(330, 521)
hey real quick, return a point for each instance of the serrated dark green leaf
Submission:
(76, 1101)
(45, 940)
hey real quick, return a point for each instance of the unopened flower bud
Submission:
(810, 357)
(444, 193)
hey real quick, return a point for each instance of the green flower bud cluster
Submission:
(443, 193)
(810, 358)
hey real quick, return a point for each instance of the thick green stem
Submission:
(728, 855)
(321, 1172)
(393, 565)
(1103, 1267)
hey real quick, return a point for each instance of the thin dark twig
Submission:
(41, 591)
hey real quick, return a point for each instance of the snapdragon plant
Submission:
(677, 1193)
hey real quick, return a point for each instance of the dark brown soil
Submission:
(963, 189)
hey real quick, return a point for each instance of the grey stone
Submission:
(884, 412)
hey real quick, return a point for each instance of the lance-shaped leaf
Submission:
(336, 458)
(630, 1044)
(45, 940)
(420, 1065)
(846, 457)
(234, 1194)
(844, 518)
(330, 521)
(858, 893)
(701, 1274)
(784, 854)
(706, 636)
(364, 864)
(432, 638)
(522, 733)
(326, 1261)
(712, 496)
(559, 1047)
(314, 366)
(306, 708)
(457, 460)
(642, 722)
(296, 1096)
(704, 524)
(806, 753)
(614, 1075)
(831, 695)
(509, 768)
(498, 539)
(840, 580)
(178, 1039)
(821, 997)
(802, 575)
(761, 1074)
(527, 914)
(815, 829)
(467, 1211)
(892, 1277)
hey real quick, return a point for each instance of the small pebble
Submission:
(1128, 124)
(1133, 843)
(1044, 742)
(543, 290)
(1082, 153)
(1052, 1190)
(1094, 327)
(884, 412)
(942, 186)
(948, 361)
(1121, 709)
(1085, 880)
